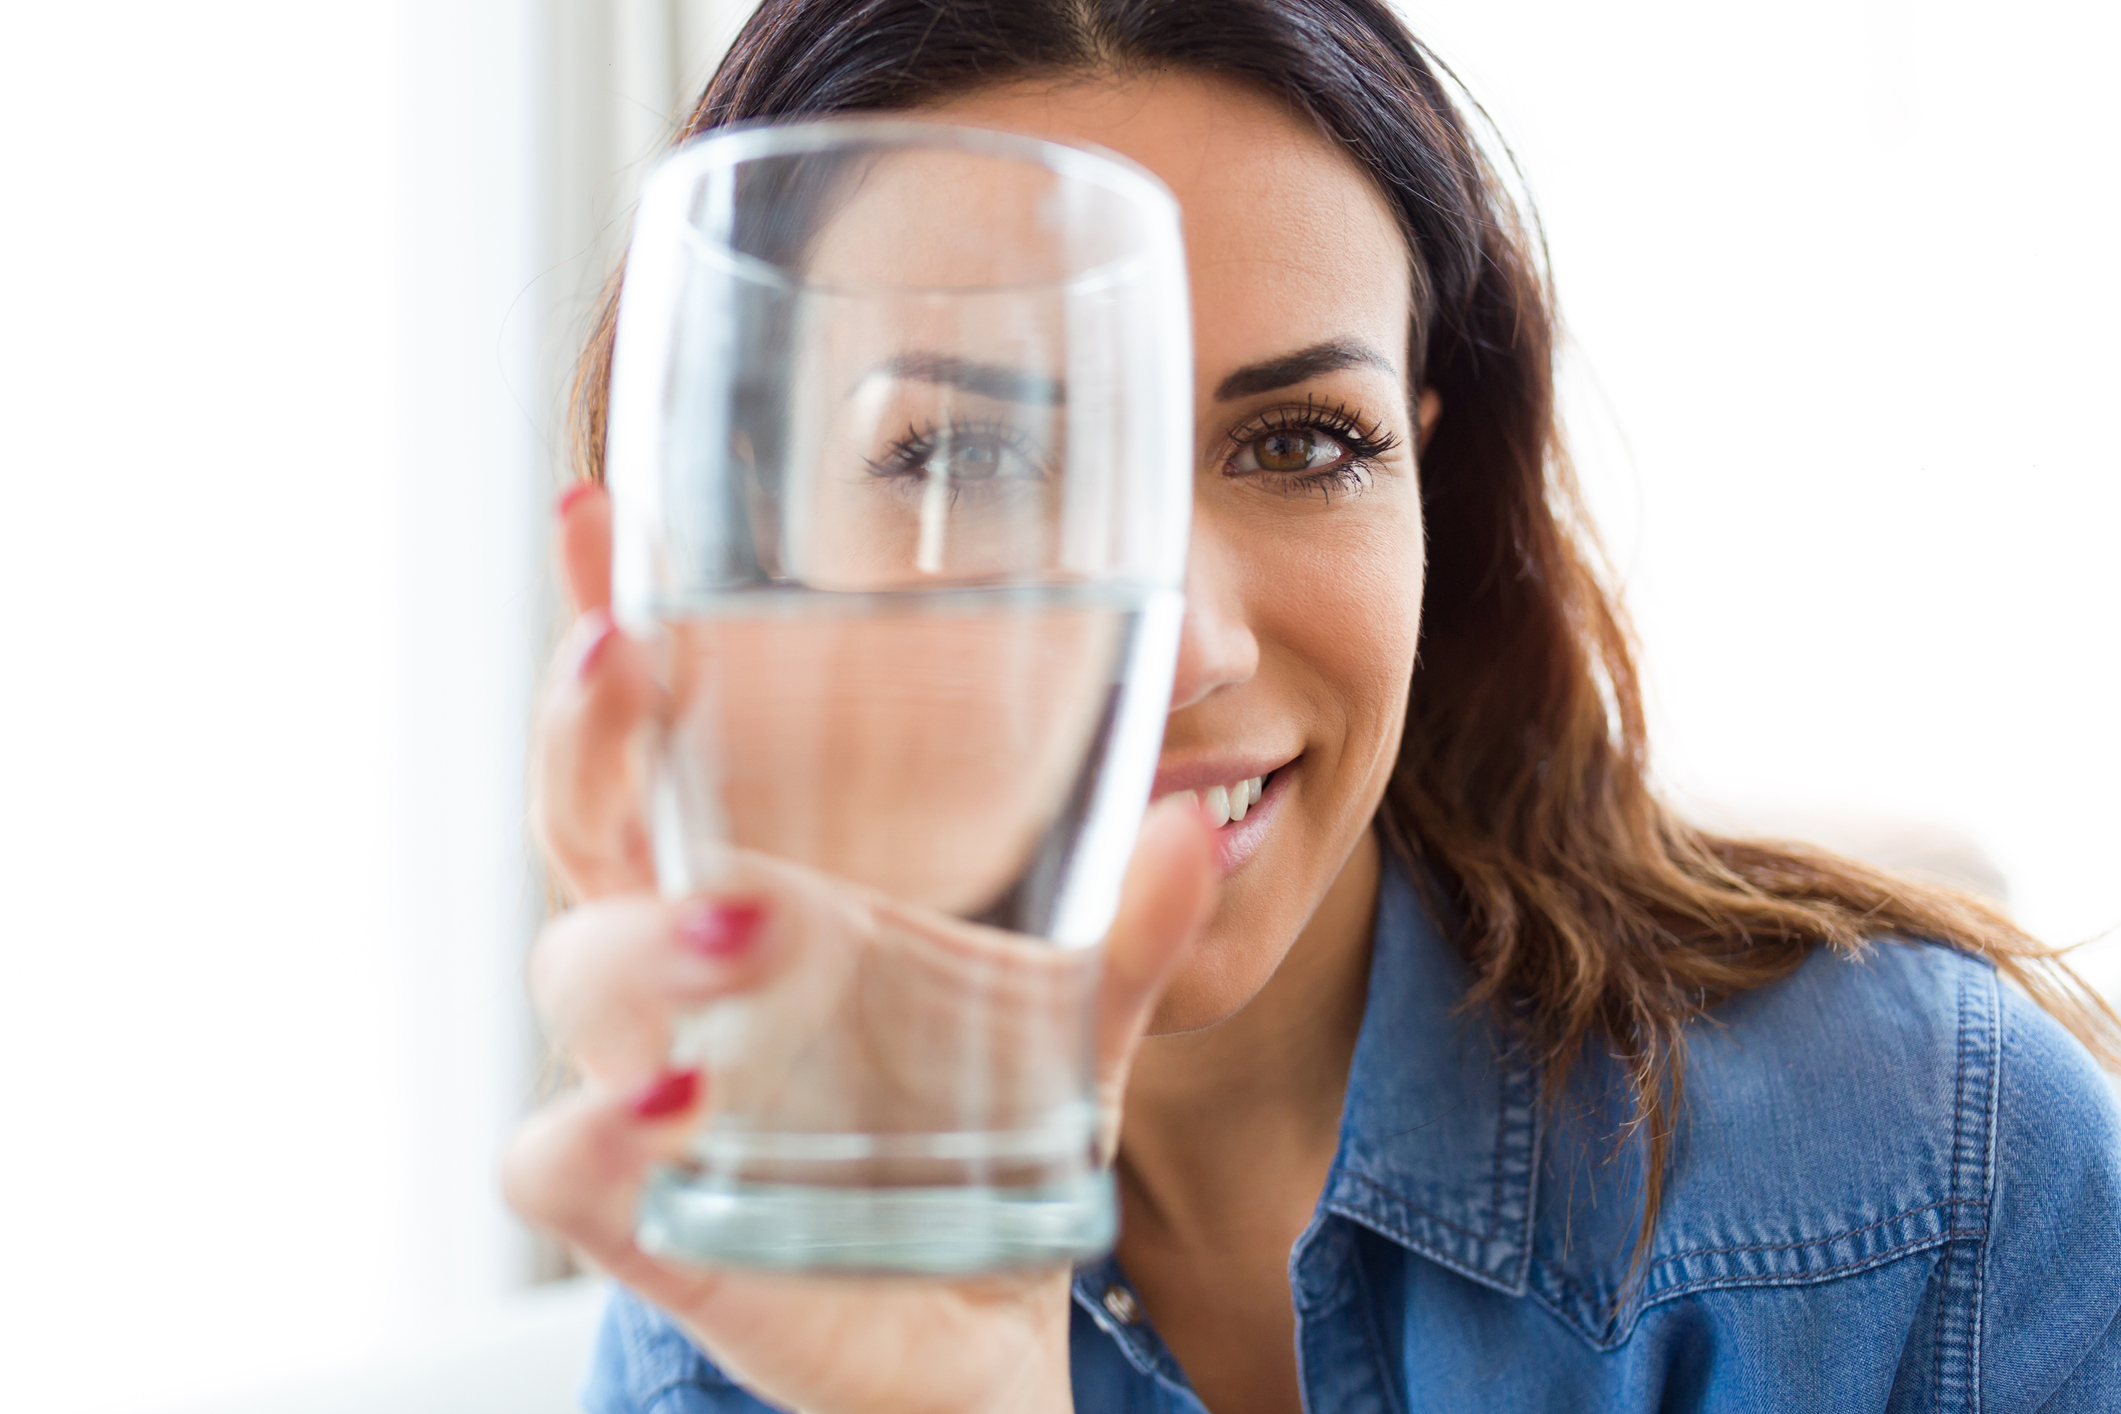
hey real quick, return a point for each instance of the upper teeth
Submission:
(1222, 804)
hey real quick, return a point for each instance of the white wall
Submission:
(1842, 287)
(289, 291)
(286, 291)
(200, 754)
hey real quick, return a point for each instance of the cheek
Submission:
(1348, 615)
(1337, 609)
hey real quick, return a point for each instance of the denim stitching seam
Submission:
(1956, 1367)
(1803, 1278)
(1441, 1221)
(1440, 1256)
(1586, 1306)
(1988, 1173)
(1944, 1264)
(1807, 1242)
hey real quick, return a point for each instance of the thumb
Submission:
(1168, 895)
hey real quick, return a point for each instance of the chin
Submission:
(1210, 988)
(1175, 1015)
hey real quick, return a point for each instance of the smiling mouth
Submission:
(1226, 804)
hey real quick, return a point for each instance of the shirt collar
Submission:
(1440, 1133)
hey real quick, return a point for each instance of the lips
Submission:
(1239, 795)
(1202, 772)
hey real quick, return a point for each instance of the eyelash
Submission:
(907, 457)
(1365, 444)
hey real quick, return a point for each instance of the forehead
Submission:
(1288, 241)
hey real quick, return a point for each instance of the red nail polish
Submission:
(595, 629)
(572, 494)
(672, 1092)
(720, 930)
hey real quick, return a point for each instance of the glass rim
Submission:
(723, 148)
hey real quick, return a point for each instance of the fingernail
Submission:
(672, 1092)
(572, 494)
(595, 629)
(721, 930)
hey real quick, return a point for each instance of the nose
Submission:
(1216, 645)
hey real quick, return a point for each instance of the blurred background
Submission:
(290, 295)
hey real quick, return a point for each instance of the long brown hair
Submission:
(1593, 912)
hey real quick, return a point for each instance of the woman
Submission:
(1479, 1080)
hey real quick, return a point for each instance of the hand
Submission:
(609, 976)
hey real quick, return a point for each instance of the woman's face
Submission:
(1304, 584)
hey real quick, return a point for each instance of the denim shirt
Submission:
(1896, 1186)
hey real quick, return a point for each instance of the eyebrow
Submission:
(1328, 357)
(988, 380)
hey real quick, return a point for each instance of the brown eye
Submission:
(1286, 451)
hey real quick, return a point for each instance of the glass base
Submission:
(927, 1231)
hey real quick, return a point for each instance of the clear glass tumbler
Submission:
(900, 454)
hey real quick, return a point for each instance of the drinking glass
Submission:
(900, 455)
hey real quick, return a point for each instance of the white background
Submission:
(1842, 286)
(281, 286)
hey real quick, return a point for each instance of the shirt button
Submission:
(1121, 1305)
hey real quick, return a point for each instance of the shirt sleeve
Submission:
(2051, 1280)
(645, 1365)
